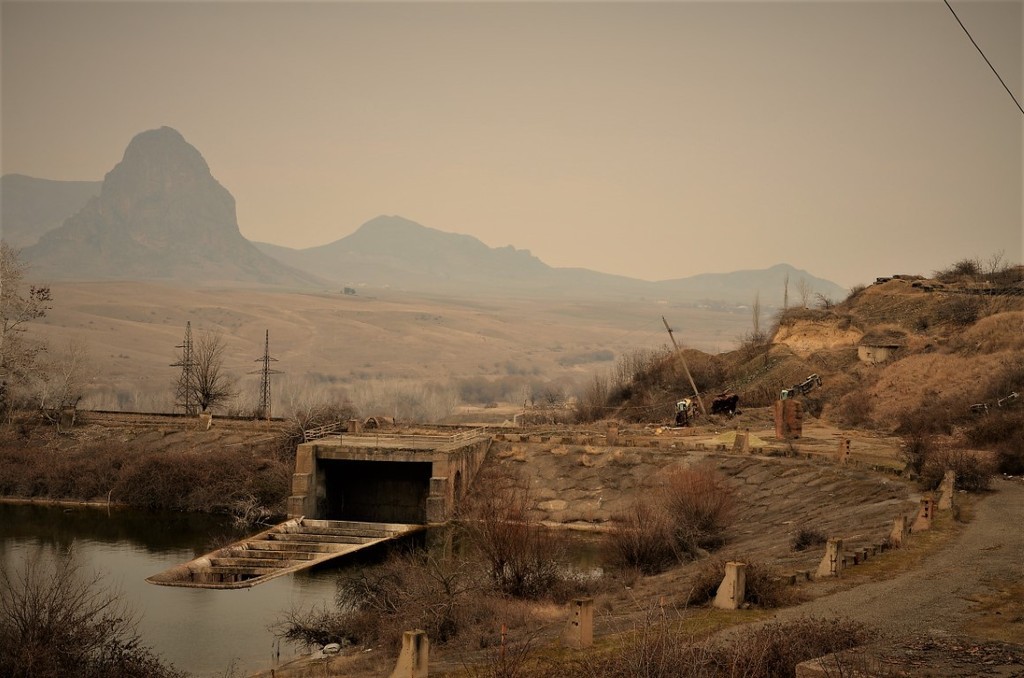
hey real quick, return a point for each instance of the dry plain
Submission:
(331, 342)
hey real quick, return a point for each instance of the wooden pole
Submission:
(685, 368)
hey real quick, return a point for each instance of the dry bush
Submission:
(700, 506)
(441, 595)
(855, 409)
(659, 649)
(776, 648)
(960, 310)
(56, 622)
(973, 473)
(806, 537)
(523, 559)
(764, 587)
(642, 539)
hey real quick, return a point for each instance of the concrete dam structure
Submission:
(349, 492)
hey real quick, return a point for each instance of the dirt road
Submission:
(929, 620)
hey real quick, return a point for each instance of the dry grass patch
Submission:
(999, 616)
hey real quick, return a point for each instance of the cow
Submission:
(725, 403)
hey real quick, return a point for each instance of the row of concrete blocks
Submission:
(732, 591)
(414, 658)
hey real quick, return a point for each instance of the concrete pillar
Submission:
(789, 417)
(415, 656)
(947, 488)
(579, 632)
(355, 426)
(613, 433)
(843, 453)
(205, 421)
(733, 589)
(742, 443)
(923, 521)
(438, 503)
(898, 535)
(832, 563)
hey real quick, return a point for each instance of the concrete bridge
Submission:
(349, 492)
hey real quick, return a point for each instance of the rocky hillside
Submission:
(909, 355)
(160, 214)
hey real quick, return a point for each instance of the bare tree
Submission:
(62, 382)
(785, 292)
(17, 308)
(212, 386)
(803, 288)
(56, 621)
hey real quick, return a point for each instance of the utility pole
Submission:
(184, 394)
(685, 368)
(263, 408)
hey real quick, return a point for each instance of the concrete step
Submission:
(267, 554)
(240, 570)
(341, 531)
(356, 525)
(293, 545)
(321, 538)
(251, 562)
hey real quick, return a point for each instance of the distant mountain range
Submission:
(30, 207)
(160, 215)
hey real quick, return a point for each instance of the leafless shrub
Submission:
(960, 310)
(855, 409)
(764, 588)
(700, 506)
(806, 537)
(523, 559)
(658, 648)
(973, 473)
(642, 538)
(56, 621)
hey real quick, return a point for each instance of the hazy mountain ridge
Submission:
(160, 214)
(30, 207)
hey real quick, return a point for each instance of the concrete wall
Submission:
(336, 479)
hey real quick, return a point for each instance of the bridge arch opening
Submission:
(375, 491)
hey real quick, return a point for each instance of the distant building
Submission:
(349, 290)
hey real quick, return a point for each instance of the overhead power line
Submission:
(976, 46)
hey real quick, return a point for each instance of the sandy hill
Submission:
(945, 345)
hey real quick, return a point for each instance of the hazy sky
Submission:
(655, 140)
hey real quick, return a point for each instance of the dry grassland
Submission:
(330, 340)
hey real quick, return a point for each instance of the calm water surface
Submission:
(201, 631)
(206, 632)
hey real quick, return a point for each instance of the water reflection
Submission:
(203, 631)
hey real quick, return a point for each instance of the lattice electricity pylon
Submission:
(184, 395)
(263, 408)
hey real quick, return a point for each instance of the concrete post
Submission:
(832, 563)
(415, 655)
(843, 453)
(742, 443)
(789, 417)
(205, 421)
(355, 426)
(899, 531)
(733, 589)
(613, 433)
(948, 487)
(923, 521)
(579, 633)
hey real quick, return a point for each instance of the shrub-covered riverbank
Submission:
(179, 470)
